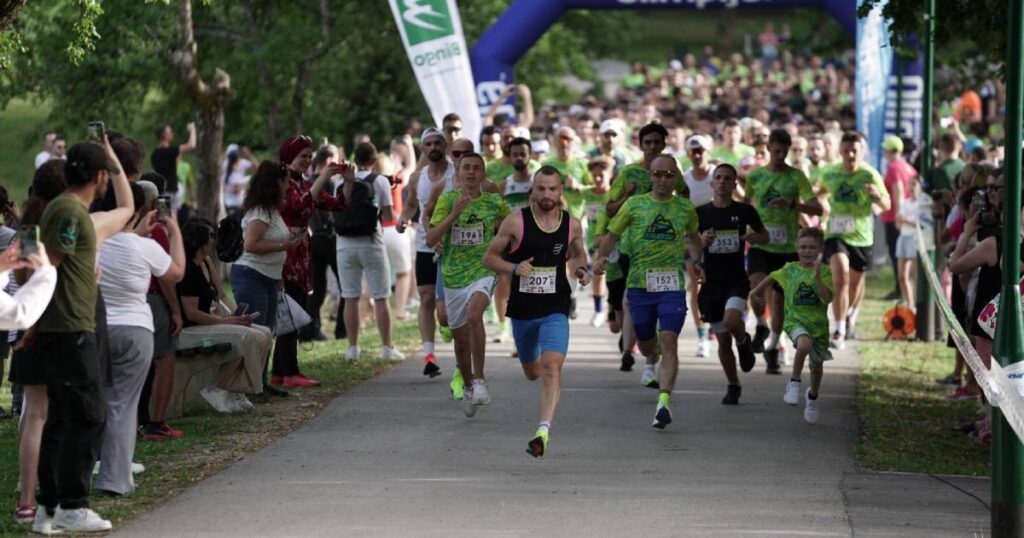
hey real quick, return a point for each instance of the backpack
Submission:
(360, 216)
(229, 240)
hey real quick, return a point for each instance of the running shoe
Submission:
(662, 417)
(949, 381)
(446, 334)
(746, 354)
(732, 395)
(391, 354)
(352, 354)
(539, 444)
(771, 359)
(760, 334)
(504, 332)
(43, 523)
(24, 513)
(79, 520)
(963, 394)
(468, 408)
(837, 341)
(490, 315)
(649, 379)
(599, 319)
(430, 368)
(626, 365)
(481, 395)
(851, 330)
(456, 384)
(792, 394)
(810, 408)
(703, 349)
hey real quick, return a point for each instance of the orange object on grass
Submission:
(899, 323)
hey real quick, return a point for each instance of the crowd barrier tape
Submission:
(1004, 388)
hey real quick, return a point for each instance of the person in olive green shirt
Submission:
(573, 168)
(731, 150)
(663, 228)
(943, 175)
(464, 221)
(854, 190)
(65, 337)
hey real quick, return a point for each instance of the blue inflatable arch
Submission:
(525, 21)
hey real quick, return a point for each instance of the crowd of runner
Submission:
(742, 202)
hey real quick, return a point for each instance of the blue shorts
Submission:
(653, 310)
(536, 336)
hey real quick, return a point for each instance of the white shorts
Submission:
(397, 247)
(357, 261)
(457, 300)
(732, 303)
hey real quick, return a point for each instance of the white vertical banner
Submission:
(432, 34)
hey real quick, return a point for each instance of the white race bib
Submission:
(840, 224)
(726, 242)
(541, 280)
(778, 234)
(593, 210)
(662, 280)
(468, 236)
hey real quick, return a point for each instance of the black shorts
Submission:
(27, 366)
(426, 269)
(958, 304)
(616, 290)
(860, 257)
(714, 294)
(762, 261)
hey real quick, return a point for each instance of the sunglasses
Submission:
(458, 153)
(696, 150)
(995, 188)
(610, 134)
(566, 138)
(662, 173)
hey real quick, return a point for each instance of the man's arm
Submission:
(191, 143)
(507, 233)
(579, 251)
(108, 223)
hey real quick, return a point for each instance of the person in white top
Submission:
(698, 182)
(236, 176)
(22, 310)
(127, 261)
(43, 156)
(907, 217)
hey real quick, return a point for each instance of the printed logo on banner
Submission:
(425, 20)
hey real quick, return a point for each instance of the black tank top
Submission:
(546, 291)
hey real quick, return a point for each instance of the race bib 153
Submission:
(726, 242)
(778, 234)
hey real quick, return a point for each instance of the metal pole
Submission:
(1007, 450)
(926, 316)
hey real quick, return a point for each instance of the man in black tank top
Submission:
(533, 245)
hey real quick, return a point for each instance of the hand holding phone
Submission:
(96, 132)
(163, 207)
(28, 236)
(241, 308)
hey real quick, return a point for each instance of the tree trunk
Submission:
(9, 11)
(306, 65)
(210, 101)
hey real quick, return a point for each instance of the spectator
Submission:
(300, 200)
(907, 218)
(47, 153)
(200, 292)
(26, 306)
(898, 175)
(67, 339)
(361, 252)
(127, 262)
(164, 158)
(256, 275)
(397, 245)
(236, 176)
(323, 253)
(940, 178)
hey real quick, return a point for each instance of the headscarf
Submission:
(292, 147)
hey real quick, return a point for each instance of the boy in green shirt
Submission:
(807, 286)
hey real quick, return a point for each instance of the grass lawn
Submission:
(907, 422)
(213, 441)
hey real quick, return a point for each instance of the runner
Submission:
(724, 226)
(661, 228)
(438, 171)
(781, 194)
(537, 240)
(808, 290)
(698, 182)
(465, 221)
(601, 168)
(502, 168)
(731, 150)
(516, 188)
(854, 189)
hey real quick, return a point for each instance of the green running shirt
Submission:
(657, 231)
(466, 241)
(851, 218)
(803, 306)
(764, 186)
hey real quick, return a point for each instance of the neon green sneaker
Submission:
(446, 334)
(662, 415)
(490, 315)
(455, 386)
(538, 444)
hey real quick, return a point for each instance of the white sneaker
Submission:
(241, 402)
(468, 407)
(481, 396)
(792, 394)
(413, 305)
(704, 349)
(137, 468)
(43, 523)
(837, 341)
(219, 399)
(79, 520)
(599, 319)
(810, 408)
(391, 354)
(649, 378)
(352, 354)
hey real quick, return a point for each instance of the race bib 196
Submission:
(726, 242)
(540, 280)
(778, 234)
(662, 280)
(840, 224)
(468, 236)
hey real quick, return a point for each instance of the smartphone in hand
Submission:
(28, 235)
(163, 207)
(96, 132)
(241, 308)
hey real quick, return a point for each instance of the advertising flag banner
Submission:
(874, 65)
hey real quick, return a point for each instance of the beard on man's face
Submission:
(547, 204)
(435, 155)
(519, 166)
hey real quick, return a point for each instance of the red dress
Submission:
(296, 209)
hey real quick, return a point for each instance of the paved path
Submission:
(395, 457)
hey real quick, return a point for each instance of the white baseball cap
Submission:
(611, 125)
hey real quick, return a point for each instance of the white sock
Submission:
(428, 348)
(546, 426)
(649, 367)
(841, 329)
(353, 350)
(773, 340)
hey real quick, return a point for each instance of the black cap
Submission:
(84, 160)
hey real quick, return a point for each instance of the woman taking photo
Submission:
(201, 296)
(300, 200)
